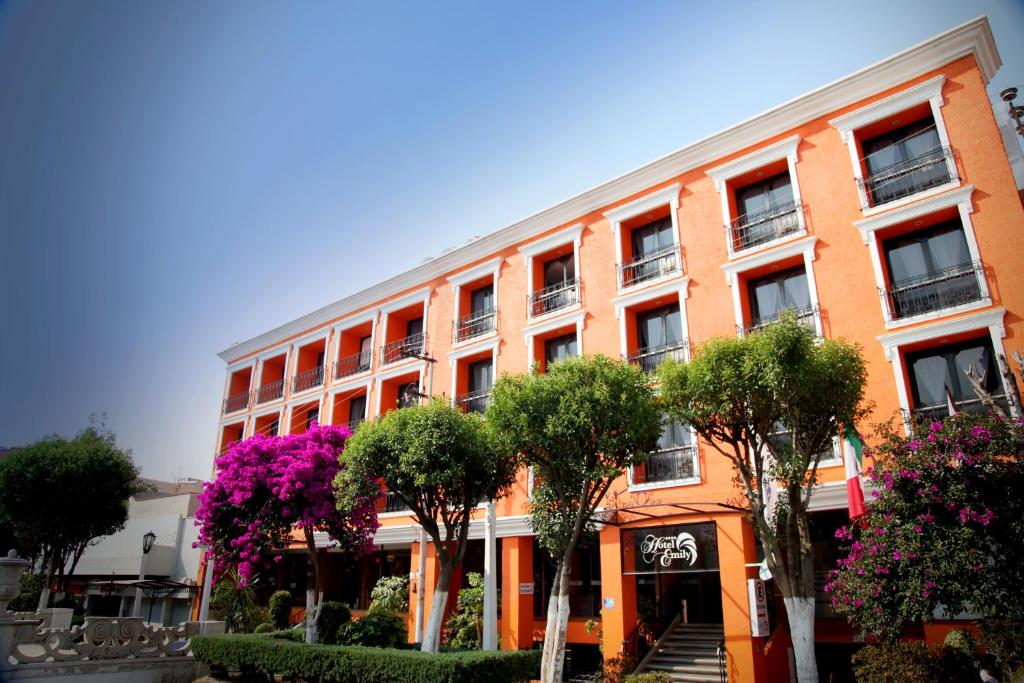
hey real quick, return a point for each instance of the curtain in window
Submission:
(482, 300)
(480, 376)
(933, 370)
(562, 347)
(783, 291)
(659, 328)
(674, 435)
(652, 237)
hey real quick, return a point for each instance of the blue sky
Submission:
(178, 176)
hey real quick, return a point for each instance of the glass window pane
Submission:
(906, 261)
(781, 190)
(930, 376)
(948, 248)
(795, 290)
(979, 358)
(414, 327)
(766, 299)
(752, 199)
(482, 299)
(480, 375)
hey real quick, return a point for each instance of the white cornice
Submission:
(782, 149)
(247, 363)
(909, 212)
(970, 38)
(465, 351)
(667, 195)
(400, 370)
(352, 321)
(410, 299)
(975, 321)
(267, 411)
(490, 267)
(796, 248)
(678, 287)
(567, 236)
(894, 104)
(308, 398)
(351, 386)
(310, 338)
(555, 324)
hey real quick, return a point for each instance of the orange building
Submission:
(882, 207)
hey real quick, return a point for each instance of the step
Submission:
(688, 657)
(662, 665)
(694, 678)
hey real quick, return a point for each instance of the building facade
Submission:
(881, 208)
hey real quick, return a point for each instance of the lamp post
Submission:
(1016, 111)
(148, 539)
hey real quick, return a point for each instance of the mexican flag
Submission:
(853, 454)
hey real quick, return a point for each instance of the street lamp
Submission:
(1016, 111)
(148, 539)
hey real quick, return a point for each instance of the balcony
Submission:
(940, 411)
(474, 401)
(554, 298)
(908, 177)
(352, 365)
(670, 464)
(406, 347)
(753, 229)
(270, 391)
(237, 402)
(389, 501)
(807, 316)
(475, 325)
(657, 264)
(935, 291)
(651, 357)
(307, 379)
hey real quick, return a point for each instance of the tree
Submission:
(465, 625)
(59, 496)
(579, 426)
(771, 402)
(442, 463)
(944, 532)
(266, 487)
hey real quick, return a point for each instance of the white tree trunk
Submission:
(558, 624)
(801, 629)
(310, 616)
(550, 626)
(432, 636)
(44, 598)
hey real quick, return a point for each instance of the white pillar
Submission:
(490, 630)
(421, 602)
(204, 602)
(137, 606)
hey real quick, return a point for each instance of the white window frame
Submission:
(340, 328)
(296, 349)
(992, 320)
(668, 196)
(251, 427)
(397, 372)
(290, 409)
(574, 234)
(419, 296)
(466, 351)
(783, 149)
(365, 384)
(633, 487)
(929, 91)
(457, 281)
(869, 227)
(531, 332)
(622, 303)
(803, 247)
(228, 372)
(283, 350)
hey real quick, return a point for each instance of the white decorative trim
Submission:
(992, 319)
(909, 212)
(490, 267)
(241, 365)
(545, 244)
(411, 299)
(281, 350)
(302, 401)
(923, 194)
(465, 351)
(663, 197)
(285, 426)
(680, 287)
(803, 246)
(369, 316)
(473, 341)
(829, 496)
(973, 37)
(267, 411)
(554, 324)
(312, 338)
(350, 386)
(399, 371)
(894, 104)
(783, 149)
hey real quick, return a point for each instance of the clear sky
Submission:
(179, 176)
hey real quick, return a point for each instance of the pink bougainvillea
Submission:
(268, 487)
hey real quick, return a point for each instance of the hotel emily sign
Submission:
(678, 548)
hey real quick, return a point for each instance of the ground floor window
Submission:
(584, 581)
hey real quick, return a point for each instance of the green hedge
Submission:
(350, 664)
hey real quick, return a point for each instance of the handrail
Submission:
(675, 461)
(751, 229)
(474, 401)
(270, 391)
(307, 379)
(642, 639)
(650, 357)
(236, 402)
(354, 364)
(554, 297)
(475, 324)
(394, 351)
(936, 290)
(805, 315)
(908, 177)
(654, 264)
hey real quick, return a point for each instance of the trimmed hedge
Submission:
(351, 664)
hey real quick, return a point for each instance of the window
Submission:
(783, 291)
(765, 211)
(481, 318)
(481, 378)
(652, 238)
(904, 161)
(933, 372)
(312, 415)
(365, 352)
(560, 289)
(655, 253)
(674, 459)
(558, 348)
(782, 440)
(356, 411)
(658, 333)
(275, 426)
(408, 394)
(482, 300)
(559, 271)
(414, 327)
(930, 270)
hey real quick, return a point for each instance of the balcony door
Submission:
(769, 296)
(365, 352)
(930, 270)
(933, 371)
(414, 327)
(652, 238)
(558, 348)
(660, 328)
(481, 376)
(356, 410)
(904, 161)
(482, 300)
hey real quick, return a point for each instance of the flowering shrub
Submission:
(944, 531)
(268, 486)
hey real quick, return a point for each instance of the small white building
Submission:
(108, 574)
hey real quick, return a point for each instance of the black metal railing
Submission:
(239, 401)
(307, 379)
(649, 358)
(475, 324)
(651, 626)
(554, 297)
(908, 177)
(806, 315)
(352, 365)
(474, 401)
(270, 391)
(752, 229)
(669, 464)
(389, 501)
(413, 345)
(935, 291)
(940, 411)
(650, 266)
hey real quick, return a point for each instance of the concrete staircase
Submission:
(689, 654)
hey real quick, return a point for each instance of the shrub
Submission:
(913, 663)
(391, 594)
(236, 601)
(376, 629)
(333, 615)
(340, 664)
(1004, 638)
(281, 609)
(296, 635)
(465, 624)
(649, 677)
(265, 627)
(30, 586)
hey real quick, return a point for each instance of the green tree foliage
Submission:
(441, 462)
(944, 532)
(58, 496)
(465, 624)
(280, 609)
(390, 594)
(333, 615)
(235, 599)
(737, 394)
(376, 629)
(579, 426)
